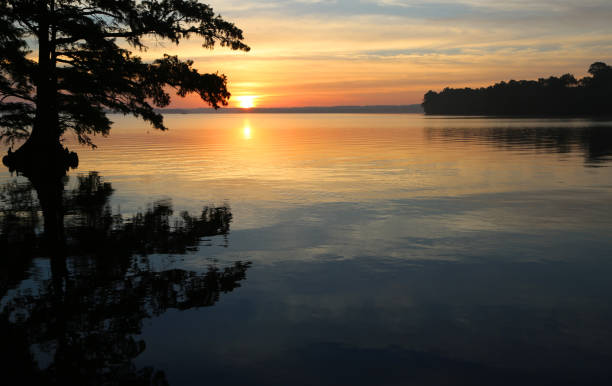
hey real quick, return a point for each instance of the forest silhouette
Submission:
(87, 314)
(553, 96)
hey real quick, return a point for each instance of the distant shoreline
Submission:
(377, 109)
(563, 96)
(598, 116)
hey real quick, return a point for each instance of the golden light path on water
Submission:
(246, 130)
(388, 234)
(260, 162)
(293, 159)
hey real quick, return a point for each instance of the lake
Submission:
(328, 249)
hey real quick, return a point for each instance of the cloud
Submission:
(410, 44)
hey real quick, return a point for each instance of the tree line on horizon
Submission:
(564, 95)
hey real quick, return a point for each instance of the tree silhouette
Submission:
(83, 68)
(87, 315)
(565, 95)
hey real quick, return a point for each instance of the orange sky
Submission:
(341, 52)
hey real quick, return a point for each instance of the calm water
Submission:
(316, 249)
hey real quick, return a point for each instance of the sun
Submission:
(246, 101)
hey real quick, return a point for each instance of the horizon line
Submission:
(409, 108)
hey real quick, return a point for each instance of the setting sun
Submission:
(246, 101)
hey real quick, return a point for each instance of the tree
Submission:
(84, 68)
(556, 96)
(599, 68)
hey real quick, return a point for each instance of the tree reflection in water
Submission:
(85, 318)
(595, 142)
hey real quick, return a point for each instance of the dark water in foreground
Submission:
(316, 249)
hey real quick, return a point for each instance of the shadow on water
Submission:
(595, 143)
(80, 324)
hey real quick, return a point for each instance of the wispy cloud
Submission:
(398, 49)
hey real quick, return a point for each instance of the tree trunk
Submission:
(43, 152)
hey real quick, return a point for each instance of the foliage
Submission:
(84, 66)
(565, 95)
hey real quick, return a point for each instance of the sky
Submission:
(380, 52)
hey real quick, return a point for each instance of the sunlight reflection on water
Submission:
(402, 245)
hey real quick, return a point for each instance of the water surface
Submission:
(319, 249)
